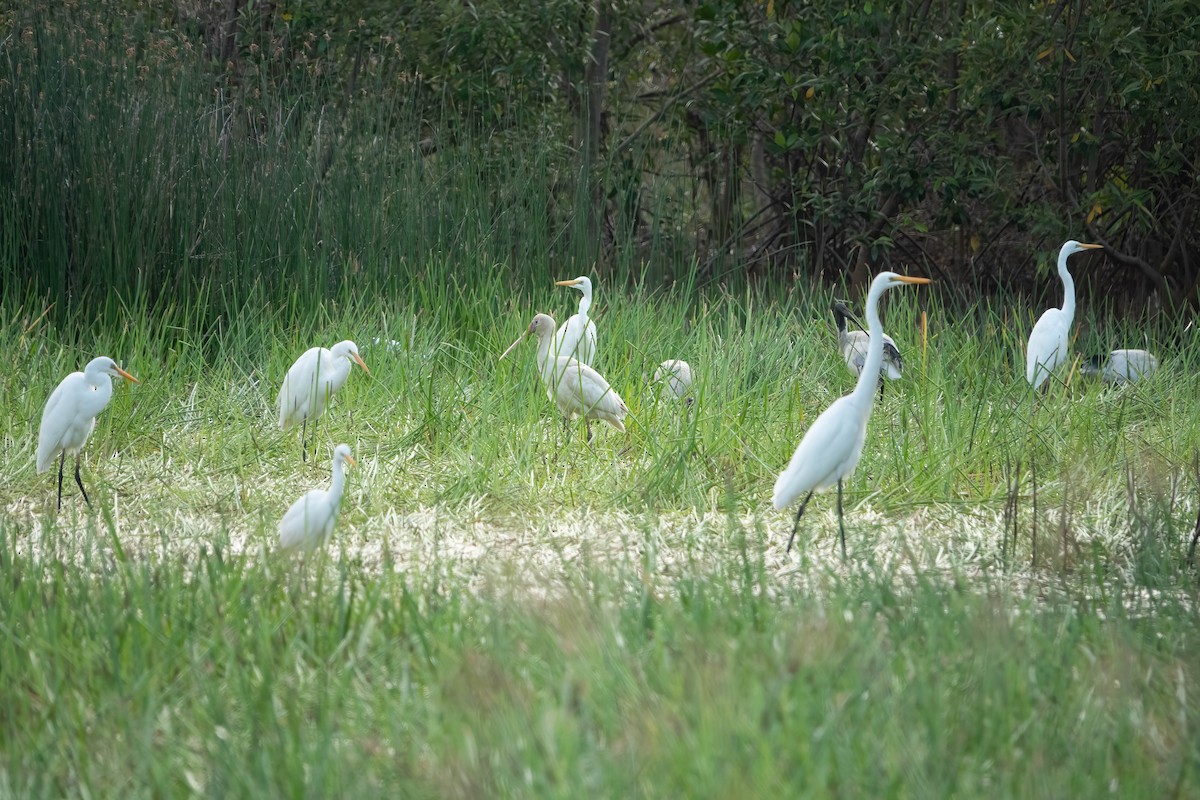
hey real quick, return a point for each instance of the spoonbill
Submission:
(311, 381)
(577, 389)
(1121, 366)
(831, 447)
(309, 522)
(577, 338)
(853, 346)
(70, 416)
(1049, 342)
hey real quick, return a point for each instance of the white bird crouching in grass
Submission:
(308, 524)
(1050, 340)
(675, 379)
(70, 416)
(577, 389)
(830, 449)
(311, 381)
(577, 339)
(1121, 366)
(853, 347)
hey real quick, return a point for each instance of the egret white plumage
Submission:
(309, 522)
(1050, 340)
(311, 381)
(1121, 366)
(675, 379)
(577, 339)
(577, 389)
(70, 415)
(831, 447)
(853, 347)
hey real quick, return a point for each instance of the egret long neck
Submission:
(869, 377)
(338, 373)
(94, 402)
(1068, 285)
(585, 302)
(338, 484)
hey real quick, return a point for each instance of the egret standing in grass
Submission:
(310, 383)
(577, 389)
(309, 522)
(577, 339)
(1121, 366)
(853, 346)
(70, 416)
(1050, 341)
(830, 449)
(675, 378)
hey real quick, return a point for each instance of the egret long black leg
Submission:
(62, 460)
(316, 438)
(841, 524)
(799, 514)
(882, 383)
(79, 481)
(304, 440)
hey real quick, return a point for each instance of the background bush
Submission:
(285, 152)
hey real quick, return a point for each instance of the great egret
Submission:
(576, 388)
(310, 383)
(309, 522)
(1049, 342)
(830, 449)
(675, 378)
(853, 346)
(1121, 366)
(577, 339)
(70, 415)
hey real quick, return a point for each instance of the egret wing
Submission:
(305, 522)
(298, 397)
(1048, 346)
(571, 342)
(587, 348)
(57, 417)
(836, 437)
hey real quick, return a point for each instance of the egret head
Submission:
(541, 326)
(349, 349)
(887, 280)
(342, 453)
(106, 366)
(582, 283)
(1072, 247)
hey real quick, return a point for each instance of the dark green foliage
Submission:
(162, 150)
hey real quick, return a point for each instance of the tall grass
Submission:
(140, 173)
(241, 678)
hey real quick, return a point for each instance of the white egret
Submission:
(675, 378)
(309, 522)
(70, 415)
(577, 389)
(853, 346)
(831, 447)
(1121, 366)
(577, 339)
(1049, 342)
(310, 383)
